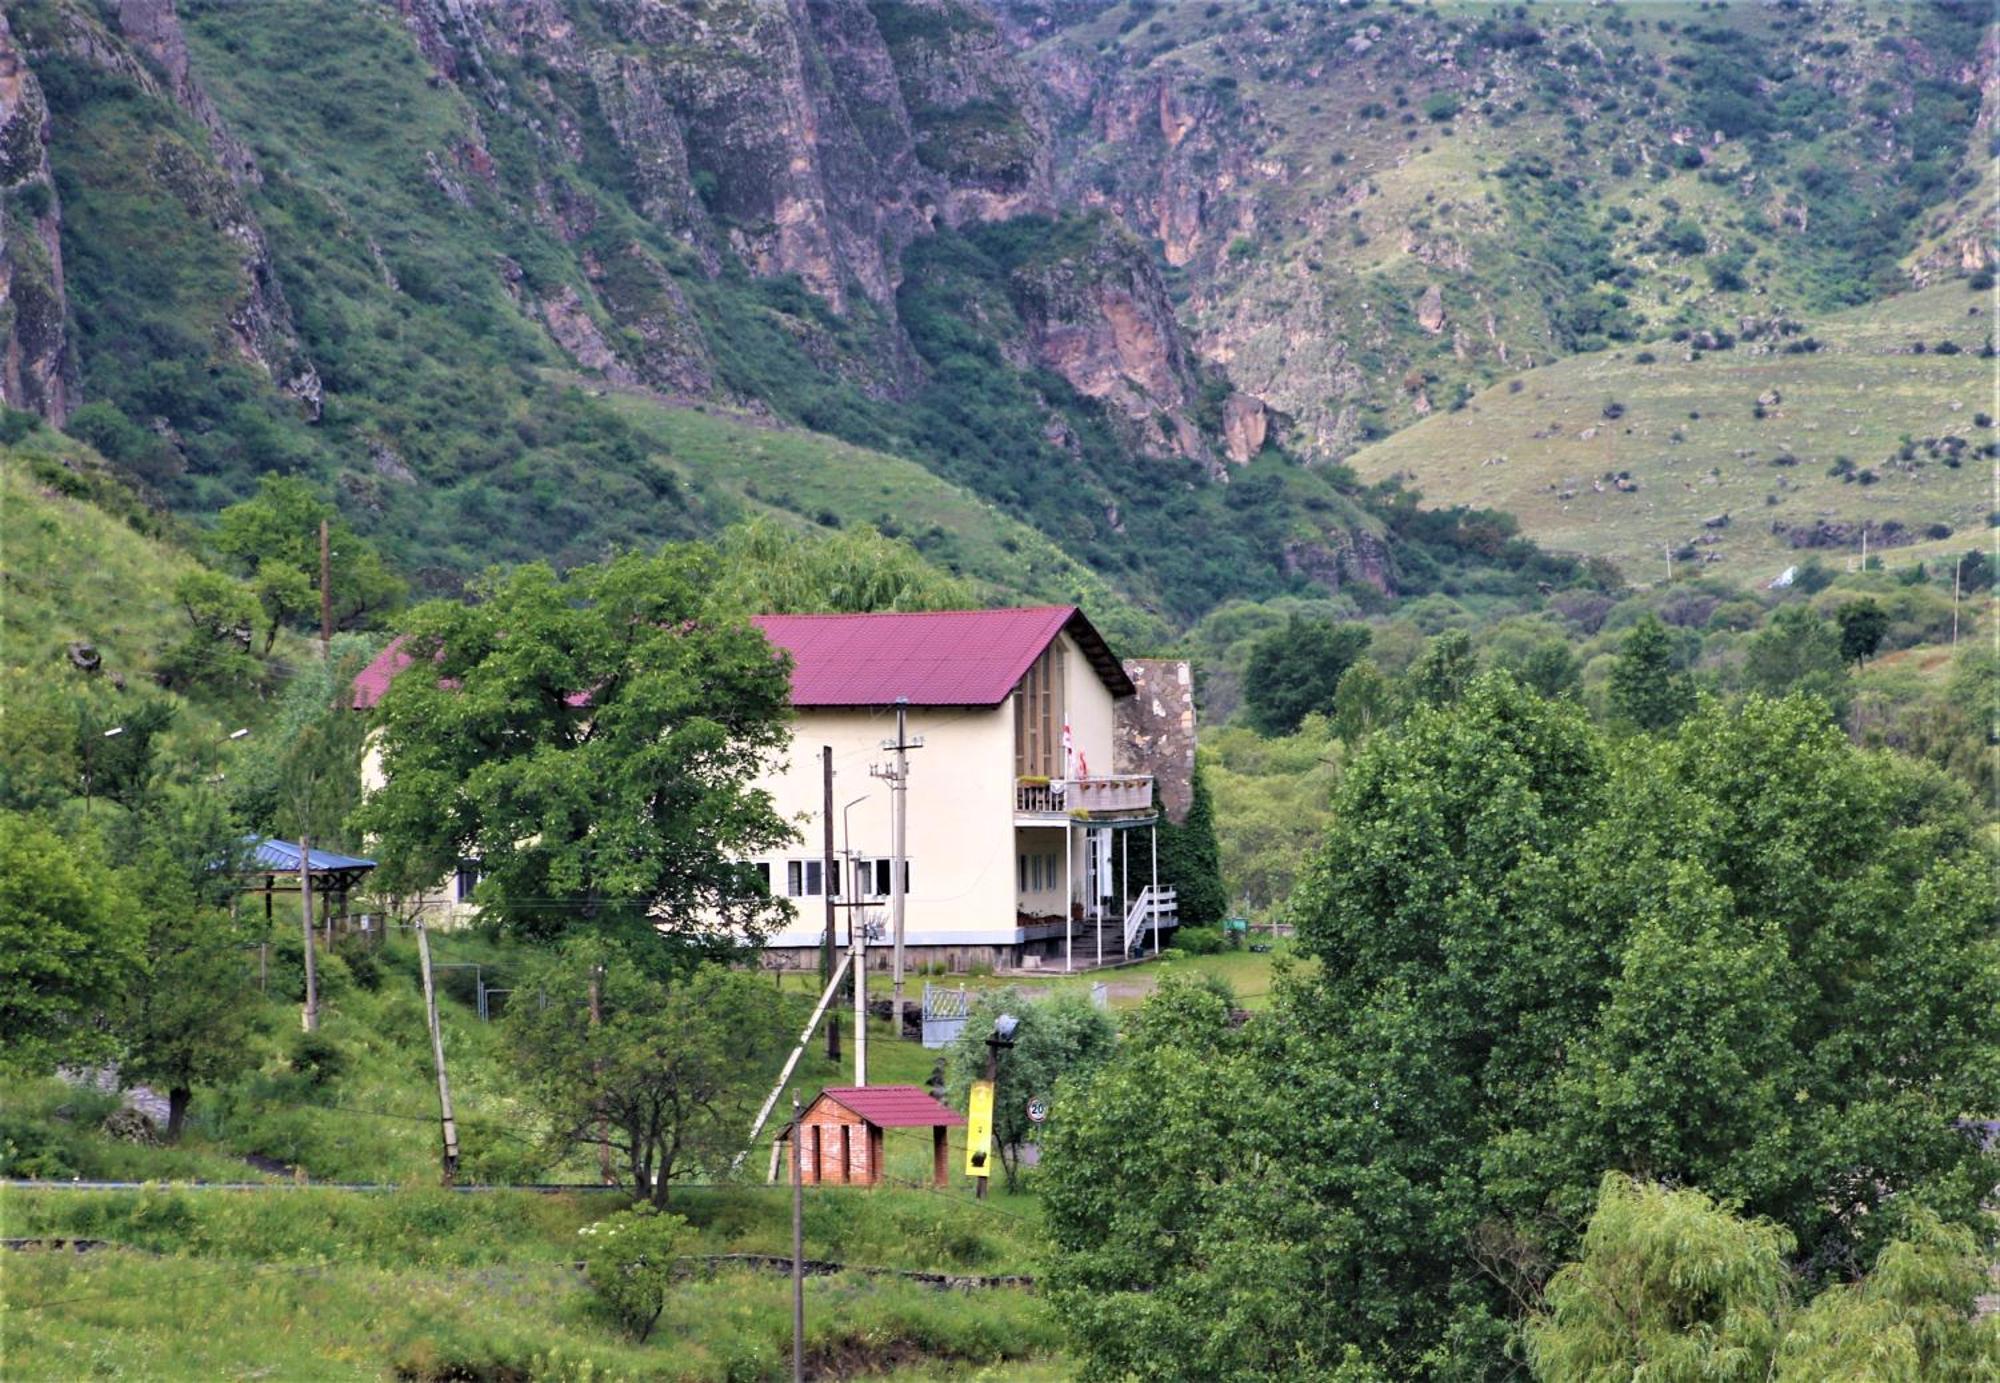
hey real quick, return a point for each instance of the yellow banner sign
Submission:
(979, 1130)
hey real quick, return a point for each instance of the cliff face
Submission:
(36, 373)
(149, 51)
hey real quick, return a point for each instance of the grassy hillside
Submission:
(1563, 177)
(822, 480)
(1859, 429)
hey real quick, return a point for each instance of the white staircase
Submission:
(1152, 908)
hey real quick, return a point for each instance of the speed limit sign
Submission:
(1038, 1110)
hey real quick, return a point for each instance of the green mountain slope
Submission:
(1634, 453)
(1105, 270)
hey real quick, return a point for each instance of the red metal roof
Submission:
(893, 1106)
(931, 658)
(374, 679)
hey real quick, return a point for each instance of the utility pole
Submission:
(325, 591)
(857, 950)
(448, 1126)
(306, 921)
(829, 866)
(898, 775)
(798, 1251)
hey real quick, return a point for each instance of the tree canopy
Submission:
(592, 740)
(1748, 957)
(1295, 671)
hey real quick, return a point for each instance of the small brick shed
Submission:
(842, 1128)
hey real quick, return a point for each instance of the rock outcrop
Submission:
(1100, 317)
(36, 371)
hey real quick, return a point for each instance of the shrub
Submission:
(318, 1058)
(1199, 941)
(629, 1261)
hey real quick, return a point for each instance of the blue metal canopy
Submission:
(282, 857)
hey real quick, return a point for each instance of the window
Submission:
(466, 880)
(759, 872)
(872, 878)
(803, 878)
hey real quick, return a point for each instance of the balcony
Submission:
(1111, 795)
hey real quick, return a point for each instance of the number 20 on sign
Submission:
(979, 1130)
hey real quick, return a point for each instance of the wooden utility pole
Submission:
(325, 591)
(448, 1125)
(798, 1250)
(306, 925)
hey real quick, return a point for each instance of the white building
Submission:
(1025, 840)
(1030, 835)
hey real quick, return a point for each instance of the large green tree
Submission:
(189, 1007)
(1191, 859)
(1748, 957)
(69, 941)
(1295, 670)
(668, 1072)
(1648, 692)
(1799, 652)
(592, 739)
(273, 537)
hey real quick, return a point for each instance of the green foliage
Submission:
(274, 538)
(1295, 671)
(1670, 1285)
(69, 939)
(767, 569)
(1363, 703)
(1274, 798)
(1441, 675)
(1647, 691)
(631, 1259)
(299, 776)
(1191, 859)
(1543, 953)
(189, 1006)
(1799, 651)
(592, 739)
(1862, 625)
(1060, 1041)
(667, 1074)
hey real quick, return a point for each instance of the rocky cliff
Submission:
(37, 373)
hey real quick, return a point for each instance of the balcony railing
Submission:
(1118, 792)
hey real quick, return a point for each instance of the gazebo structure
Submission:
(277, 864)
(841, 1132)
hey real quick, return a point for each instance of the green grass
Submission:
(124, 1315)
(1856, 397)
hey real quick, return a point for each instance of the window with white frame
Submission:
(876, 879)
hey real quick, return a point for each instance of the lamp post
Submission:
(1002, 1035)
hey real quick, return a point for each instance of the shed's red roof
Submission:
(930, 658)
(893, 1106)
